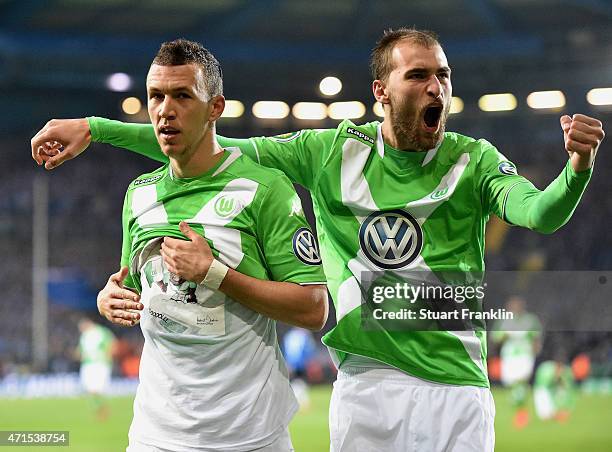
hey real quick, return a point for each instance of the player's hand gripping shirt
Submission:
(380, 209)
(211, 375)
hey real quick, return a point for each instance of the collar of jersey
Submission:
(421, 157)
(207, 174)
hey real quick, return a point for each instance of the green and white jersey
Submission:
(381, 209)
(95, 346)
(558, 380)
(519, 336)
(212, 376)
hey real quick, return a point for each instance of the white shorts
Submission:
(281, 444)
(95, 377)
(544, 403)
(375, 410)
(516, 369)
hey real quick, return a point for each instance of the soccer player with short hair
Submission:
(399, 196)
(212, 377)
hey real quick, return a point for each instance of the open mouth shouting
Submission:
(432, 116)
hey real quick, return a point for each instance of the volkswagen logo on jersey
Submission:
(305, 247)
(391, 239)
(507, 168)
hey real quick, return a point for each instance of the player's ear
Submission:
(380, 91)
(217, 106)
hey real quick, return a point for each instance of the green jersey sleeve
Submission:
(300, 155)
(139, 138)
(496, 177)
(546, 211)
(516, 200)
(289, 246)
(131, 281)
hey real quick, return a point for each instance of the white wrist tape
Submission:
(215, 275)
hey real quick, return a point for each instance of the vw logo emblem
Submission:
(305, 247)
(391, 239)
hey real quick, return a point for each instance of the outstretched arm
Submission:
(61, 140)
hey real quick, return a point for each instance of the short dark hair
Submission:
(182, 51)
(381, 64)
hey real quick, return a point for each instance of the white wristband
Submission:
(215, 275)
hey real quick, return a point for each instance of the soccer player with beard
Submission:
(396, 197)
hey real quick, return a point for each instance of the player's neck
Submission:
(396, 140)
(197, 162)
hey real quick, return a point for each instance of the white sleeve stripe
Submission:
(256, 150)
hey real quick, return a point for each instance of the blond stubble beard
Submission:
(407, 131)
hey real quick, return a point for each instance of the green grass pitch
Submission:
(589, 428)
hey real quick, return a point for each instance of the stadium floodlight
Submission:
(346, 110)
(119, 82)
(233, 109)
(378, 110)
(309, 110)
(497, 102)
(546, 99)
(456, 105)
(131, 105)
(330, 86)
(600, 96)
(270, 109)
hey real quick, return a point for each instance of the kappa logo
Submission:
(391, 239)
(147, 180)
(225, 206)
(305, 247)
(507, 168)
(360, 134)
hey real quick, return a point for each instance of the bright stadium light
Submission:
(119, 82)
(600, 96)
(330, 86)
(309, 110)
(546, 99)
(270, 109)
(378, 110)
(497, 102)
(233, 109)
(346, 110)
(456, 105)
(131, 105)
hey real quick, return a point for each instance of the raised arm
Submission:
(516, 200)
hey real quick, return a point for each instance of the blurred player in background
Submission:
(401, 196)
(96, 345)
(520, 340)
(554, 391)
(299, 349)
